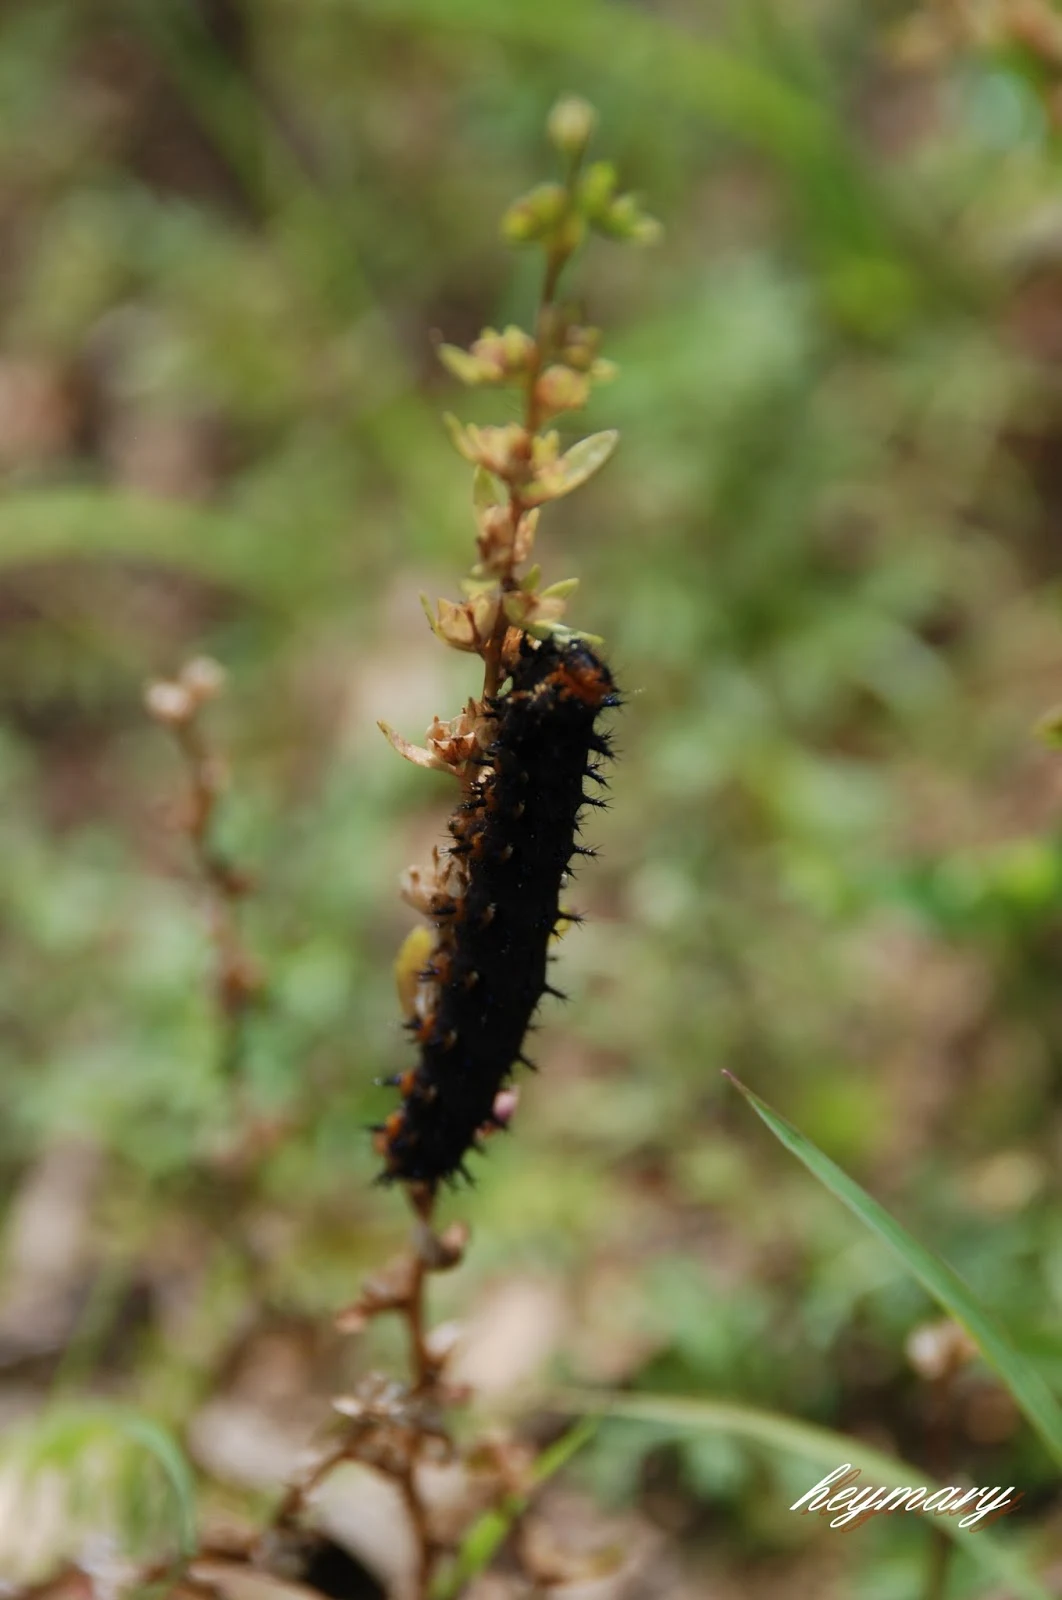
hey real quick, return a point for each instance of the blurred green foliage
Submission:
(825, 560)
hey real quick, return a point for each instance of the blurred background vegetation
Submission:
(826, 561)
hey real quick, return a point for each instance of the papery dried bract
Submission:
(429, 890)
(415, 753)
(455, 742)
(503, 451)
(467, 624)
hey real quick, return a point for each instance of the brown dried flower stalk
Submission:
(177, 704)
(518, 468)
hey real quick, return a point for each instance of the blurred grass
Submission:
(1023, 1383)
(825, 563)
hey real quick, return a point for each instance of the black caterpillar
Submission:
(512, 839)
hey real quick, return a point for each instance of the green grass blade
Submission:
(941, 1281)
(819, 1446)
(160, 1443)
(487, 1533)
(63, 1438)
(216, 546)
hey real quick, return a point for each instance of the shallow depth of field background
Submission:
(826, 561)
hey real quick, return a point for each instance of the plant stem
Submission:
(236, 982)
(556, 260)
(424, 1374)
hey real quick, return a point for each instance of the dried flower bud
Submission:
(494, 541)
(348, 1405)
(503, 451)
(204, 678)
(170, 703)
(453, 1242)
(496, 536)
(524, 542)
(442, 1341)
(454, 742)
(464, 625)
(431, 890)
(936, 1349)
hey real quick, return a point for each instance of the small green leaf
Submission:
(560, 590)
(484, 490)
(546, 629)
(429, 611)
(574, 468)
(1026, 1386)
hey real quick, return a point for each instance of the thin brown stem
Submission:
(425, 1372)
(555, 264)
(426, 1548)
(416, 1319)
(294, 1501)
(237, 983)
